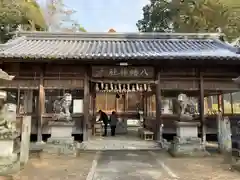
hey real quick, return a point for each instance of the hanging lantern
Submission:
(133, 88)
(115, 88)
(119, 88)
(137, 87)
(97, 87)
(149, 88)
(124, 88)
(111, 86)
(145, 87)
(128, 88)
(106, 87)
(141, 88)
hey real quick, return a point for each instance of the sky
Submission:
(102, 15)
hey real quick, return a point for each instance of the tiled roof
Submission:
(116, 46)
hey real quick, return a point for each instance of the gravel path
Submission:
(122, 165)
(55, 167)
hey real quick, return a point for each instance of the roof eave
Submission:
(127, 58)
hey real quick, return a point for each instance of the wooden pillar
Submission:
(145, 104)
(231, 101)
(41, 107)
(18, 101)
(219, 103)
(142, 102)
(28, 103)
(158, 107)
(222, 103)
(94, 103)
(126, 102)
(86, 107)
(116, 103)
(201, 102)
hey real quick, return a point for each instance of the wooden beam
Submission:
(86, 106)
(122, 81)
(201, 100)
(41, 107)
(126, 102)
(145, 104)
(142, 102)
(158, 107)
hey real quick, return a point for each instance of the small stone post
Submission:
(227, 143)
(25, 142)
(219, 131)
(224, 134)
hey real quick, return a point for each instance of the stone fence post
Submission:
(25, 139)
(224, 133)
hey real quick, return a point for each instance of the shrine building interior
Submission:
(127, 97)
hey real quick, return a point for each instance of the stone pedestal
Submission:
(9, 159)
(187, 143)
(61, 140)
(61, 132)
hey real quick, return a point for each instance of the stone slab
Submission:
(60, 140)
(188, 123)
(182, 147)
(8, 160)
(61, 148)
(6, 147)
(114, 145)
(187, 140)
(196, 154)
(187, 131)
(187, 151)
(9, 165)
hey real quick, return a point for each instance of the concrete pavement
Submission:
(134, 165)
(157, 165)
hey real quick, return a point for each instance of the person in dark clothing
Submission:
(104, 119)
(113, 122)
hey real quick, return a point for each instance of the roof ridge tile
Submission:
(95, 35)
